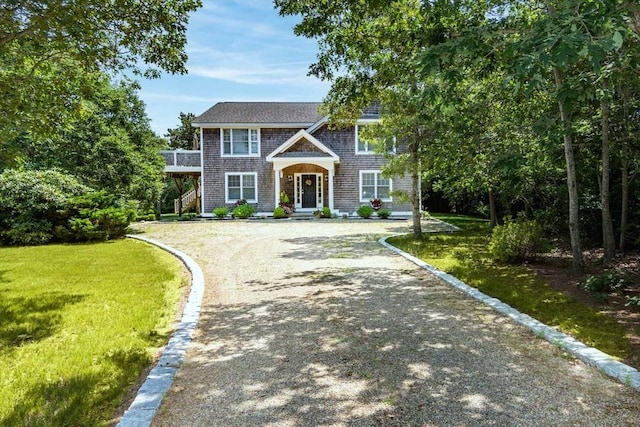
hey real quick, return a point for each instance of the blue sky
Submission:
(239, 50)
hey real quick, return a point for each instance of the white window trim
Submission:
(222, 153)
(363, 200)
(368, 148)
(226, 186)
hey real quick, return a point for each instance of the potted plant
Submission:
(376, 203)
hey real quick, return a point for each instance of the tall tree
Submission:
(184, 136)
(368, 50)
(109, 147)
(46, 46)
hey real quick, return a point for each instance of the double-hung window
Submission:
(362, 145)
(240, 142)
(374, 186)
(241, 186)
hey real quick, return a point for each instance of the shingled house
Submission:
(257, 150)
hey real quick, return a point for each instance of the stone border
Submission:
(150, 395)
(591, 356)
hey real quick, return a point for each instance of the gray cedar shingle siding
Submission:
(303, 115)
(346, 181)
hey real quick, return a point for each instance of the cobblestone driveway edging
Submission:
(144, 407)
(591, 356)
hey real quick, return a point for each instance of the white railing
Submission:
(187, 199)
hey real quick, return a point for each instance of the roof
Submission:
(300, 113)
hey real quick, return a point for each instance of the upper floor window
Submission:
(364, 146)
(240, 142)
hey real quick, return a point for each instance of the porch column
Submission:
(276, 185)
(331, 172)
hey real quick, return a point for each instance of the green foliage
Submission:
(110, 146)
(28, 231)
(78, 326)
(52, 52)
(30, 202)
(221, 212)
(42, 206)
(365, 211)
(517, 241)
(150, 216)
(600, 286)
(633, 301)
(185, 135)
(243, 211)
(188, 216)
(325, 212)
(279, 212)
(465, 255)
(384, 213)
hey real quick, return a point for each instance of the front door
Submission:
(309, 197)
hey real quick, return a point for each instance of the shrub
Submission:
(365, 211)
(517, 241)
(97, 216)
(325, 212)
(150, 216)
(279, 212)
(633, 301)
(384, 213)
(187, 216)
(38, 207)
(28, 232)
(602, 285)
(221, 212)
(243, 211)
(33, 204)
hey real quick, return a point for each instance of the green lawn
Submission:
(78, 324)
(465, 255)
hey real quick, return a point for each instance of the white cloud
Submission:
(256, 74)
(174, 97)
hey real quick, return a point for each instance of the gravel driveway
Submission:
(309, 323)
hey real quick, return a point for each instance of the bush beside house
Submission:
(38, 207)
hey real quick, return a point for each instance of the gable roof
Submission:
(281, 151)
(299, 114)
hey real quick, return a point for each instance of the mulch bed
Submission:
(556, 269)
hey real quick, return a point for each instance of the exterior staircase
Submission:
(189, 202)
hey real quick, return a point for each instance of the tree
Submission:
(47, 46)
(560, 37)
(110, 147)
(510, 89)
(368, 50)
(184, 136)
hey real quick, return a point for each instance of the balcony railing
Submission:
(181, 160)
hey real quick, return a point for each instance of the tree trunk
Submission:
(415, 190)
(572, 185)
(608, 237)
(493, 216)
(624, 214)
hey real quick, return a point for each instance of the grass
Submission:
(78, 325)
(465, 255)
